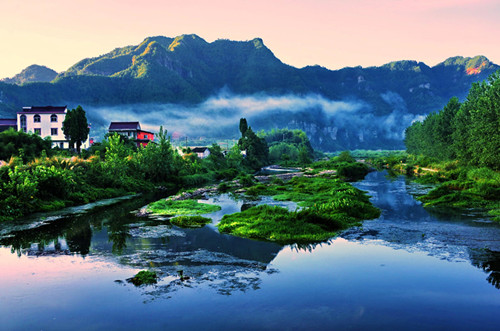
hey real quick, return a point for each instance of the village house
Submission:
(8, 123)
(133, 131)
(201, 152)
(46, 121)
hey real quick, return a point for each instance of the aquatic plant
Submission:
(329, 206)
(190, 221)
(144, 277)
(181, 207)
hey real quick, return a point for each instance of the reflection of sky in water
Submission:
(407, 270)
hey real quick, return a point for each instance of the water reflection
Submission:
(489, 262)
(445, 233)
(222, 262)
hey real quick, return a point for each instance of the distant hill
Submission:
(378, 102)
(32, 74)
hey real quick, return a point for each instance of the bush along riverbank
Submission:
(38, 178)
(457, 185)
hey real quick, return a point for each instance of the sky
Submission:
(330, 33)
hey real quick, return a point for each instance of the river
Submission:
(410, 269)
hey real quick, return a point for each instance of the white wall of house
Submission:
(49, 125)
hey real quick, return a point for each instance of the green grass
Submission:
(190, 221)
(329, 205)
(181, 207)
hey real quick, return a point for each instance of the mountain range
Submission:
(352, 107)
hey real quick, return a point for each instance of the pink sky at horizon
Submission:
(330, 33)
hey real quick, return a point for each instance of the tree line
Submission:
(467, 131)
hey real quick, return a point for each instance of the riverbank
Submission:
(456, 185)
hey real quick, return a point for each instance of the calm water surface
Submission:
(410, 269)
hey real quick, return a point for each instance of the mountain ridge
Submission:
(32, 74)
(188, 70)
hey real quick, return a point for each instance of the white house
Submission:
(201, 152)
(46, 121)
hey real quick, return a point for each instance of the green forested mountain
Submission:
(32, 74)
(187, 70)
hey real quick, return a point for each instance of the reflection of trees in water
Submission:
(489, 262)
(309, 247)
(60, 237)
(69, 234)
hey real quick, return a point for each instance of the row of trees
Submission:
(468, 131)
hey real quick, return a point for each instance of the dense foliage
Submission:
(468, 132)
(288, 147)
(27, 146)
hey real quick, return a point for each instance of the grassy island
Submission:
(180, 207)
(328, 205)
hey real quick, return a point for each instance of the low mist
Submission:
(325, 121)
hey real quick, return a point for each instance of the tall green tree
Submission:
(257, 150)
(76, 127)
(444, 130)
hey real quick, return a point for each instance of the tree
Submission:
(157, 160)
(257, 151)
(243, 126)
(76, 127)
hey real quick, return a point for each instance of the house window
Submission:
(38, 131)
(53, 131)
(23, 122)
(61, 145)
(36, 118)
(53, 118)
